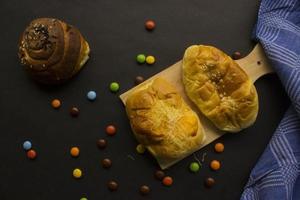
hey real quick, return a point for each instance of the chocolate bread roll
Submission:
(52, 51)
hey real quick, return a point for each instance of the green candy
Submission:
(83, 198)
(194, 167)
(141, 58)
(114, 86)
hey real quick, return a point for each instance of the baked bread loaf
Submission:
(52, 51)
(163, 122)
(219, 87)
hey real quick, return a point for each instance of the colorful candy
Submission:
(101, 143)
(74, 112)
(27, 145)
(83, 198)
(236, 55)
(194, 167)
(106, 163)
(77, 173)
(209, 182)
(141, 58)
(111, 130)
(215, 165)
(150, 25)
(31, 154)
(159, 175)
(112, 185)
(55, 103)
(114, 87)
(138, 80)
(150, 60)
(74, 151)
(140, 148)
(144, 190)
(219, 147)
(91, 95)
(167, 181)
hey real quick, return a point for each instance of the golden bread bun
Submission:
(219, 87)
(163, 122)
(52, 51)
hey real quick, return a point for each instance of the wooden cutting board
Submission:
(255, 65)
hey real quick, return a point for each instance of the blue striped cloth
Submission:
(276, 174)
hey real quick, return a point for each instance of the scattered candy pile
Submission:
(141, 59)
(31, 154)
(111, 130)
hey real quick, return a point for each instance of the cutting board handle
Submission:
(256, 64)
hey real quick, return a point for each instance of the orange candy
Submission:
(150, 25)
(167, 181)
(219, 147)
(215, 165)
(55, 103)
(74, 151)
(111, 130)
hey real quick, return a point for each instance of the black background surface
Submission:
(115, 32)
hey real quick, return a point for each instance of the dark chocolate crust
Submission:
(51, 50)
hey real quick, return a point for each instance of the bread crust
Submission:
(220, 88)
(163, 122)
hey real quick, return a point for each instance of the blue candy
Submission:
(91, 95)
(27, 145)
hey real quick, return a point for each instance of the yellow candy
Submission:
(77, 173)
(150, 60)
(140, 149)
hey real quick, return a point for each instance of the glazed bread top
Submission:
(163, 122)
(52, 51)
(219, 87)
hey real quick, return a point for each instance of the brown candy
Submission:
(209, 182)
(112, 185)
(159, 175)
(101, 143)
(139, 80)
(106, 163)
(236, 55)
(144, 190)
(74, 112)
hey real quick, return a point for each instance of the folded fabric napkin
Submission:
(276, 174)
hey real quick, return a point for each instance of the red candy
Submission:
(167, 181)
(150, 25)
(31, 154)
(111, 130)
